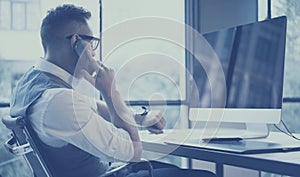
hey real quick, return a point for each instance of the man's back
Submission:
(67, 160)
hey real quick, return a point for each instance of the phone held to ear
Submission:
(79, 47)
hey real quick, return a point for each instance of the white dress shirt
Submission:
(61, 116)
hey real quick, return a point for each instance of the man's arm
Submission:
(119, 114)
(154, 121)
(73, 118)
(103, 110)
(122, 117)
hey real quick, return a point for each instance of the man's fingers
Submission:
(159, 125)
(155, 131)
(94, 65)
(97, 66)
(88, 77)
(163, 122)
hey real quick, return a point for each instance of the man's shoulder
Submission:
(40, 78)
(55, 100)
(63, 95)
(55, 93)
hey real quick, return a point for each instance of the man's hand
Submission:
(102, 78)
(99, 75)
(154, 121)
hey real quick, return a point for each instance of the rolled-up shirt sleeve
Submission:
(72, 118)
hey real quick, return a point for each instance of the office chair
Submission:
(22, 143)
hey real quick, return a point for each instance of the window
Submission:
(19, 15)
(149, 64)
(292, 63)
(291, 91)
(144, 42)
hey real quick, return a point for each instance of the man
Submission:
(81, 137)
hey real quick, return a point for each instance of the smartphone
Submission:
(79, 47)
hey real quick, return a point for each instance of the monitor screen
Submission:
(252, 59)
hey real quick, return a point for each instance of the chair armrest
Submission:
(16, 124)
(13, 123)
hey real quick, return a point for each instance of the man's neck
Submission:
(62, 63)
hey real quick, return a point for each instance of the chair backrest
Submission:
(22, 143)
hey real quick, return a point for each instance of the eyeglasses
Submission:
(93, 40)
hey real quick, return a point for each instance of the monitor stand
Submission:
(248, 131)
(256, 130)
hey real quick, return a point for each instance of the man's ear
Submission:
(73, 40)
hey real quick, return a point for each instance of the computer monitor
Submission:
(252, 59)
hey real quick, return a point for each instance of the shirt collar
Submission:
(46, 66)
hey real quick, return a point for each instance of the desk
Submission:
(285, 163)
